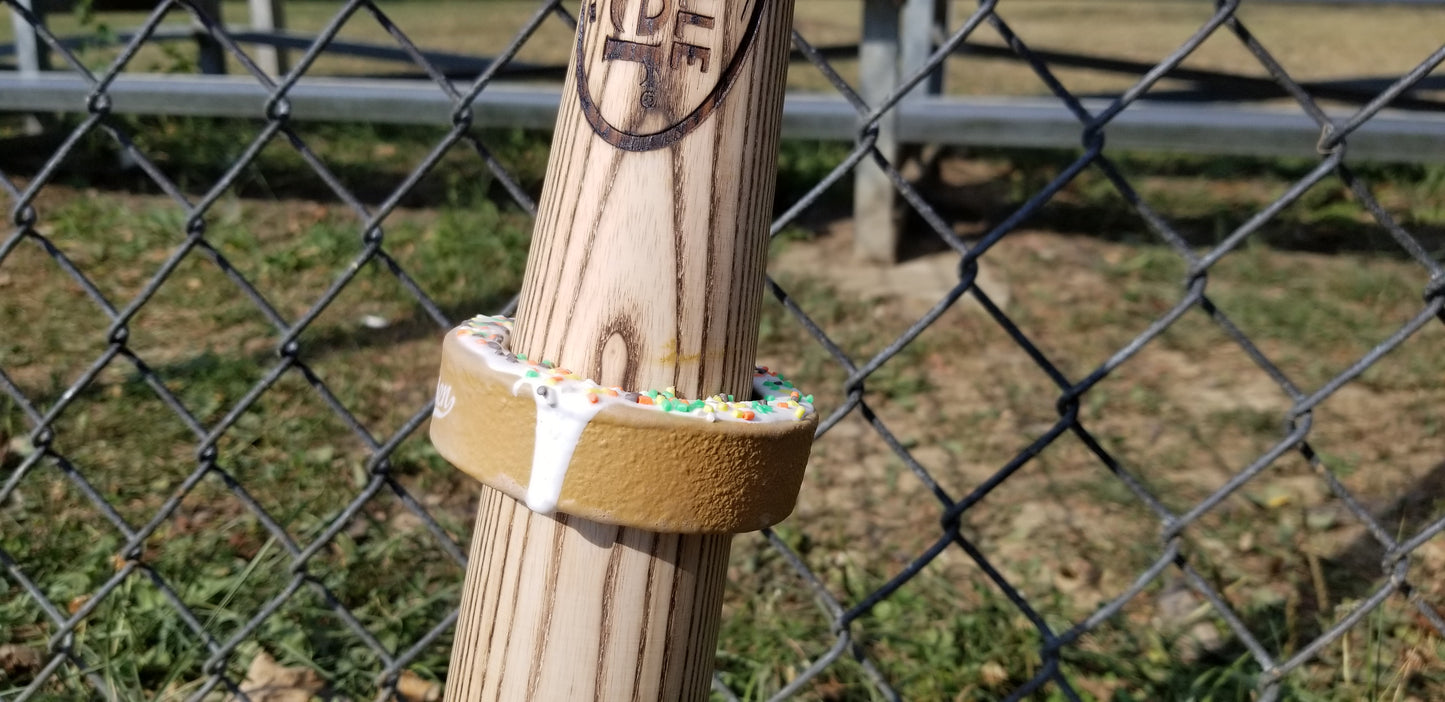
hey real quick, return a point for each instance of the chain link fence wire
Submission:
(304, 575)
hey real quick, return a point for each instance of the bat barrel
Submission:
(645, 271)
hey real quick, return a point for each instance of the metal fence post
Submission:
(875, 211)
(210, 55)
(31, 56)
(924, 24)
(896, 44)
(269, 16)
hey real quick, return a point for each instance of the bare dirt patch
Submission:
(1184, 416)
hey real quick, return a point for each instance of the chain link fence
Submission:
(65, 669)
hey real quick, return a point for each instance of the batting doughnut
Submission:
(651, 460)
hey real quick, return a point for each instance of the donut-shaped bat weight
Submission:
(649, 460)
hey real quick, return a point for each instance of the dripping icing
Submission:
(566, 402)
(559, 427)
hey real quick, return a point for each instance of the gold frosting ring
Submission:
(650, 460)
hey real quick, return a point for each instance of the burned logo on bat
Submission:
(650, 71)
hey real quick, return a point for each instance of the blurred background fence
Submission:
(1124, 317)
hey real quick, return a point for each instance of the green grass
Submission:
(1315, 288)
(960, 396)
(209, 347)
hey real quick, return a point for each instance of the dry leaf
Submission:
(831, 689)
(16, 660)
(410, 687)
(269, 681)
(992, 674)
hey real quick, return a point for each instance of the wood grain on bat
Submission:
(675, 234)
(646, 271)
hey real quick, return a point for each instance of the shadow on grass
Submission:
(1404, 517)
(369, 160)
(1348, 577)
(415, 325)
(1203, 198)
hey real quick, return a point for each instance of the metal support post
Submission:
(897, 41)
(875, 215)
(269, 16)
(210, 55)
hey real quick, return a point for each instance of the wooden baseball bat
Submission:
(645, 271)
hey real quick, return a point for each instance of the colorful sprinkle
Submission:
(776, 395)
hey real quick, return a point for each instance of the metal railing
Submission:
(462, 106)
(1212, 117)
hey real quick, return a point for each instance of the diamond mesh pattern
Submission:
(300, 574)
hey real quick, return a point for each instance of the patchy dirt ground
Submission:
(1183, 417)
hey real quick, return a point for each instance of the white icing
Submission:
(559, 428)
(566, 402)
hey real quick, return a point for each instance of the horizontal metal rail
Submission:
(451, 64)
(1211, 85)
(973, 121)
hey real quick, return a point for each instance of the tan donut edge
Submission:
(632, 467)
